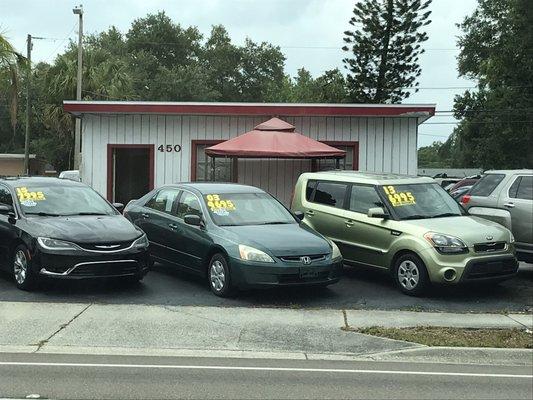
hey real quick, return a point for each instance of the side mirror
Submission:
(118, 206)
(194, 220)
(377, 212)
(299, 214)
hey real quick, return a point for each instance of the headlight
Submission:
(54, 244)
(446, 244)
(511, 240)
(142, 242)
(335, 252)
(250, 254)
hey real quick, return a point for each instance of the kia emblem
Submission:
(306, 260)
(490, 237)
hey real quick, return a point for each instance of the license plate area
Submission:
(308, 273)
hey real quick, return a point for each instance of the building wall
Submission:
(385, 145)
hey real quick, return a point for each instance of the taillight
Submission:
(465, 199)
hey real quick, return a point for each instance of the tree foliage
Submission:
(385, 43)
(496, 128)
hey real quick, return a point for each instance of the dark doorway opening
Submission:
(130, 172)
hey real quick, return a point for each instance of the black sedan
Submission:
(58, 228)
(234, 235)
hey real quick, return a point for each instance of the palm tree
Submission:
(11, 65)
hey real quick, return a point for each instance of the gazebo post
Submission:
(234, 169)
(337, 163)
(213, 169)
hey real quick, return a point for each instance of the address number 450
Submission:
(169, 148)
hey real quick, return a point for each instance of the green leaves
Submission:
(385, 46)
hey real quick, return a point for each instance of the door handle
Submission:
(509, 205)
(144, 215)
(349, 223)
(310, 213)
(173, 226)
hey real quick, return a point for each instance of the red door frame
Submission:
(344, 143)
(111, 147)
(194, 154)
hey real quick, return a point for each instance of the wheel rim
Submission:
(20, 267)
(408, 275)
(217, 275)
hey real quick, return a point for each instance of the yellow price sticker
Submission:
(214, 202)
(24, 194)
(399, 198)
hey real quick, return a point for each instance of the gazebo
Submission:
(274, 138)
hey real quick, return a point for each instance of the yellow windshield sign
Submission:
(216, 204)
(399, 198)
(24, 194)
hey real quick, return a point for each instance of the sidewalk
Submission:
(264, 332)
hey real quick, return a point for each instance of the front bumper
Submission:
(469, 267)
(59, 265)
(247, 275)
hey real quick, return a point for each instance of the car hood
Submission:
(85, 229)
(470, 229)
(281, 240)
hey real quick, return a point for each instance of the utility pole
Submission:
(29, 47)
(77, 133)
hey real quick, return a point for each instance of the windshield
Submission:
(418, 201)
(235, 209)
(62, 201)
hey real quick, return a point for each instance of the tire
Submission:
(219, 276)
(410, 275)
(22, 270)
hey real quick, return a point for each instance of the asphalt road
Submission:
(359, 289)
(136, 377)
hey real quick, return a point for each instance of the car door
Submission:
(324, 210)
(367, 239)
(518, 199)
(157, 220)
(7, 229)
(193, 242)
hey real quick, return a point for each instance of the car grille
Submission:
(106, 268)
(297, 259)
(489, 247)
(296, 278)
(105, 247)
(491, 269)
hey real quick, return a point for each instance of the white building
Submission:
(128, 148)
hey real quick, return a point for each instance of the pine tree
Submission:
(386, 44)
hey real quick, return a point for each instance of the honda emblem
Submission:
(306, 260)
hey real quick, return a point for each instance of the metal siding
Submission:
(385, 144)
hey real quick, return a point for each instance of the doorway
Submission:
(130, 171)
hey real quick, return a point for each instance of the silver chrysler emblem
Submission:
(489, 237)
(107, 247)
(306, 260)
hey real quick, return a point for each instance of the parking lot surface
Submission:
(359, 289)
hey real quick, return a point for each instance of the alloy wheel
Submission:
(217, 275)
(408, 275)
(20, 267)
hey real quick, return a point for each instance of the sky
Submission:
(309, 33)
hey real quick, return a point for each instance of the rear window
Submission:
(330, 194)
(525, 189)
(486, 185)
(309, 190)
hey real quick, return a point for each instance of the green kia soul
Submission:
(407, 225)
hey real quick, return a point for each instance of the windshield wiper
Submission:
(445, 215)
(43, 214)
(88, 213)
(275, 223)
(416, 216)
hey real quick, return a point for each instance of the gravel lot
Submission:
(359, 289)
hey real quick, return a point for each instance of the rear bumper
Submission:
(524, 251)
(260, 275)
(92, 266)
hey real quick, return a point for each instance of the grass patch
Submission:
(456, 337)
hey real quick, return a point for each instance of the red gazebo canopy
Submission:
(274, 138)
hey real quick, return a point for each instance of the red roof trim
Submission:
(267, 110)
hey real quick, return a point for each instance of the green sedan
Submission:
(235, 236)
